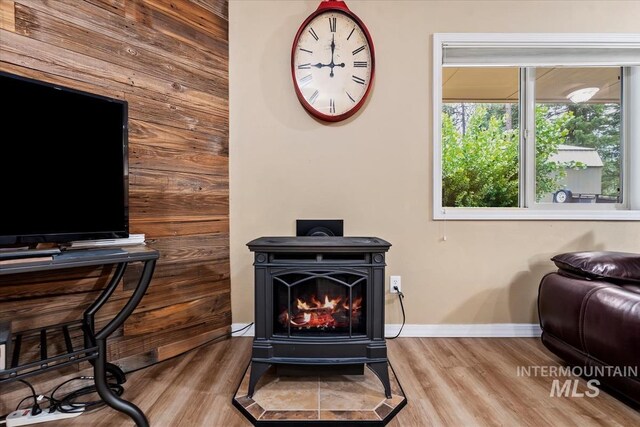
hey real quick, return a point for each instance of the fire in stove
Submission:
(326, 313)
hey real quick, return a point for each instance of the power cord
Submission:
(35, 409)
(400, 297)
(67, 404)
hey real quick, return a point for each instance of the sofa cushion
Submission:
(632, 288)
(620, 267)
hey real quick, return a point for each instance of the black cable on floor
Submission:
(68, 404)
(400, 296)
(35, 409)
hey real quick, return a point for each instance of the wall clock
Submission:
(332, 62)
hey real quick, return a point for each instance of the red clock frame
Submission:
(341, 7)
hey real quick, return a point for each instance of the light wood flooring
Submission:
(448, 382)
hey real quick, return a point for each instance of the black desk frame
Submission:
(95, 343)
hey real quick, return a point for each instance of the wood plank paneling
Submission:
(40, 26)
(7, 16)
(169, 61)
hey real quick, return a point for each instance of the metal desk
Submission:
(95, 342)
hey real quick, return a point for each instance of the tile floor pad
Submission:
(336, 398)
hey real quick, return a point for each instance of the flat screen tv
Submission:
(63, 164)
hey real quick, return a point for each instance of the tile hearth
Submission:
(323, 399)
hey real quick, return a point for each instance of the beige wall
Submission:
(374, 170)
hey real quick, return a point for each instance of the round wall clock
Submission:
(332, 62)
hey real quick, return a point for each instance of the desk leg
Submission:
(107, 395)
(99, 367)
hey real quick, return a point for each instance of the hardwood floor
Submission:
(448, 382)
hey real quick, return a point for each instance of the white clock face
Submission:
(332, 64)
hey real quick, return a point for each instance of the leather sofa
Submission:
(589, 312)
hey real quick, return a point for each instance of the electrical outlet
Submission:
(395, 281)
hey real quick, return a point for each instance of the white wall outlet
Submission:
(395, 281)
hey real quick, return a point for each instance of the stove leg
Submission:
(381, 369)
(257, 370)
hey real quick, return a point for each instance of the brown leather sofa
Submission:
(590, 315)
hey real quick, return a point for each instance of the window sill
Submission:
(480, 214)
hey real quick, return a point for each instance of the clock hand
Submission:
(333, 48)
(331, 65)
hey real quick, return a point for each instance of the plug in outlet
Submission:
(395, 281)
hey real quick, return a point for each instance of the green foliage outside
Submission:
(480, 165)
(551, 131)
(480, 149)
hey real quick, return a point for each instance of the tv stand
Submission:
(25, 252)
(94, 349)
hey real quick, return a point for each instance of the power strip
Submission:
(23, 417)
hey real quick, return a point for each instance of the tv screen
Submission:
(63, 164)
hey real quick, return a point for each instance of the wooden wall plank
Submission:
(138, 34)
(160, 158)
(175, 315)
(7, 15)
(67, 62)
(122, 346)
(149, 133)
(40, 26)
(218, 8)
(198, 27)
(183, 226)
(113, 6)
(169, 61)
(166, 206)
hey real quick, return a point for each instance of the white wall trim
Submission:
(488, 330)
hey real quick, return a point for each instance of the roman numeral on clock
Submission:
(304, 66)
(357, 80)
(360, 64)
(350, 97)
(306, 80)
(332, 106)
(313, 33)
(313, 97)
(332, 24)
(305, 50)
(348, 37)
(358, 50)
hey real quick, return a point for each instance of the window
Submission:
(536, 126)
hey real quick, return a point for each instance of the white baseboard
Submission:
(488, 330)
(249, 332)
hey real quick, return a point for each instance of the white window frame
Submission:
(629, 210)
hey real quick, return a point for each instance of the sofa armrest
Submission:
(599, 319)
(561, 304)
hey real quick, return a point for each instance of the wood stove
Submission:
(319, 301)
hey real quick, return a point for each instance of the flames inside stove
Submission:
(320, 305)
(326, 313)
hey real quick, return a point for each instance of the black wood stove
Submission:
(319, 301)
